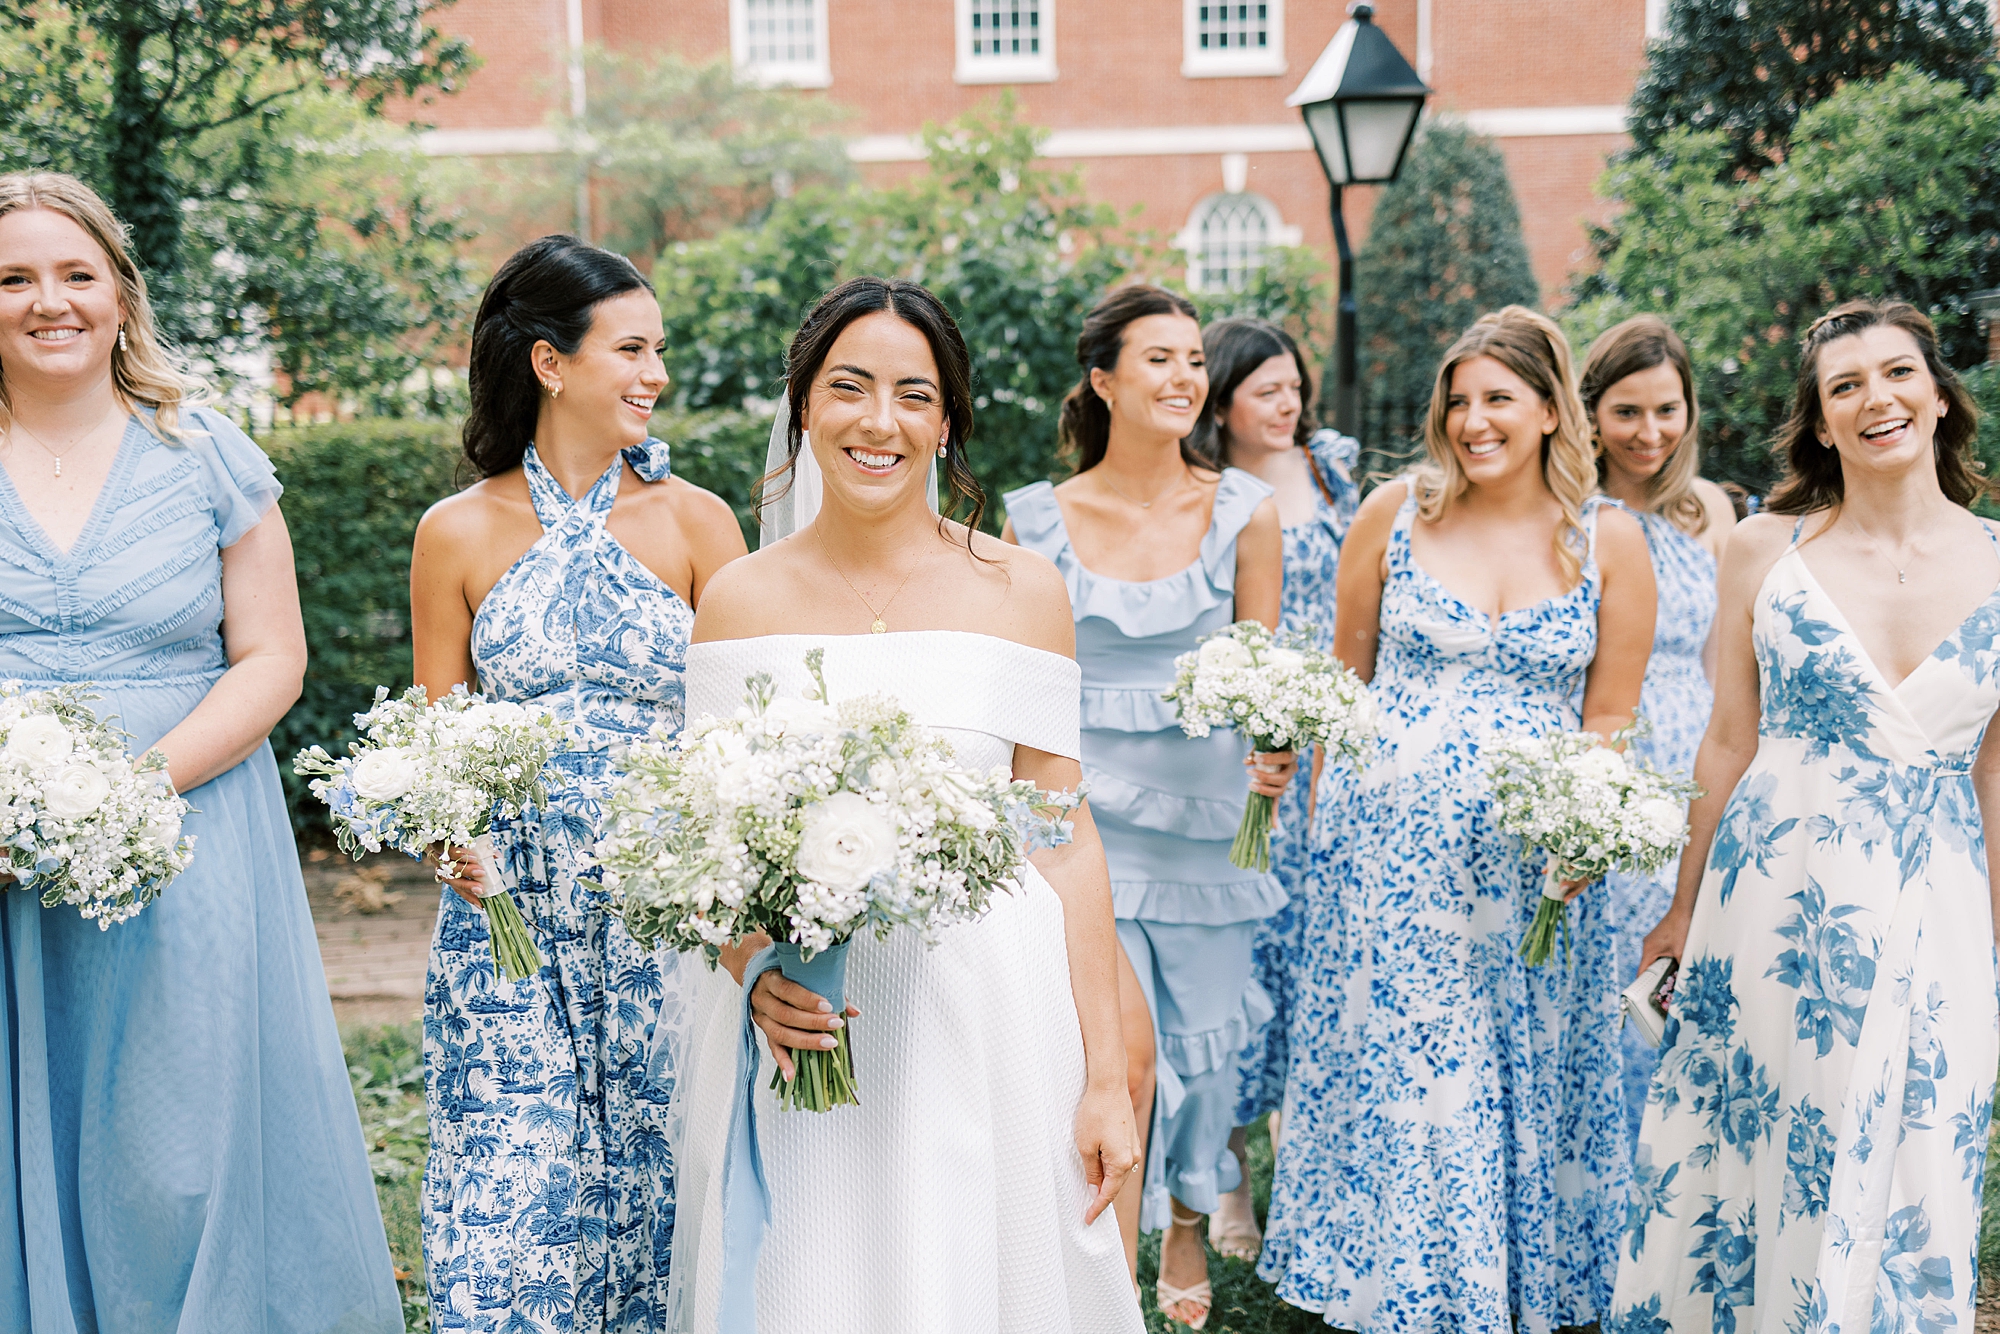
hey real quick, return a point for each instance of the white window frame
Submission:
(1277, 233)
(815, 73)
(1039, 68)
(1199, 64)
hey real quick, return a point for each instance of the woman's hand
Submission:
(1571, 888)
(793, 1016)
(1668, 939)
(470, 878)
(1109, 1143)
(1271, 771)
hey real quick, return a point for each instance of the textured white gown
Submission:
(952, 1198)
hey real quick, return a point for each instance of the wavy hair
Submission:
(1083, 432)
(1234, 348)
(1640, 344)
(1530, 345)
(145, 370)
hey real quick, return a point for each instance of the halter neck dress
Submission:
(1815, 1136)
(549, 1189)
(1167, 806)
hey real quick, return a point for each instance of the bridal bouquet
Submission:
(1282, 695)
(1590, 808)
(81, 821)
(811, 822)
(424, 774)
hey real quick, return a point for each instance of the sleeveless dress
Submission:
(1454, 1153)
(185, 1153)
(548, 1198)
(1815, 1137)
(1676, 700)
(952, 1197)
(1312, 556)
(1167, 807)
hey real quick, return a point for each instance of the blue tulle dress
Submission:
(1167, 807)
(1312, 555)
(548, 1198)
(185, 1150)
(1676, 701)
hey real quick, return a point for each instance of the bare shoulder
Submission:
(1621, 542)
(1036, 594)
(471, 514)
(1377, 514)
(700, 513)
(740, 598)
(1715, 503)
(1755, 545)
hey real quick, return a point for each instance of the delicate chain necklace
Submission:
(1902, 571)
(1172, 487)
(878, 626)
(70, 448)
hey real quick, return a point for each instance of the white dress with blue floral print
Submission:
(1454, 1153)
(1815, 1136)
(548, 1198)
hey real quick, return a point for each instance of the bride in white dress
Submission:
(969, 1189)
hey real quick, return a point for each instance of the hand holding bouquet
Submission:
(1590, 808)
(811, 821)
(81, 821)
(424, 774)
(1282, 697)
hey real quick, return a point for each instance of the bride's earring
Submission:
(942, 448)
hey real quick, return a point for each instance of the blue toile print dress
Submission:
(1312, 555)
(1813, 1147)
(548, 1193)
(1454, 1151)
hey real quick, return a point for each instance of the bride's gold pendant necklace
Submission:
(878, 626)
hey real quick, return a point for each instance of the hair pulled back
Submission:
(1813, 479)
(1083, 432)
(1639, 344)
(547, 291)
(1234, 348)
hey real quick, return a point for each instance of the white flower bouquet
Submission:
(1282, 694)
(425, 774)
(84, 823)
(1591, 809)
(811, 821)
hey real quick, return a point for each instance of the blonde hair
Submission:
(1639, 344)
(1531, 346)
(143, 371)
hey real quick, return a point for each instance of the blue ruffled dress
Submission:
(1167, 807)
(185, 1150)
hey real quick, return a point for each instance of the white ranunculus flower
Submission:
(40, 739)
(496, 713)
(846, 842)
(1603, 764)
(75, 790)
(1285, 659)
(384, 775)
(162, 833)
(787, 716)
(1664, 816)
(1222, 654)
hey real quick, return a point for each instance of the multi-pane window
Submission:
(1006, 28)
(780, 41)
(1235, 27)
(1234, 37)
(1232, 235)
(1006, 41)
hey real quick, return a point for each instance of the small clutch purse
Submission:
(1645, 1001)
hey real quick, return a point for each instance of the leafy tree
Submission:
(1444, 247)
(1749, 69)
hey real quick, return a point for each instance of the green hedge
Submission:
(1984, 382)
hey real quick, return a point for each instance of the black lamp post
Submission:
(1360, 101)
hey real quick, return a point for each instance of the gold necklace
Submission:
(70, 448)
(878, 626)
(1902, 571)
(1174, 486)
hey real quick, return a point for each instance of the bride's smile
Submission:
(875, 412)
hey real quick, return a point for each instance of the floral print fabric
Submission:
(1814, 1140)
(548, 1192)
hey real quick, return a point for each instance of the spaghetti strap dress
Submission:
(185, 1152)
(548, 1197)
(1167, 806)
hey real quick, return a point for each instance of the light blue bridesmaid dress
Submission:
(1312, 555)
(1167, 807)
(185, 1150)
(1676, 700)
(548, 1199)
(1454, 1152)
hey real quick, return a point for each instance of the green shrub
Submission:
(1984, 382)
(719, 450)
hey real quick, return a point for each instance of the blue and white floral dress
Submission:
(1454, 1153)
(548, 1193)
(1677, 700)
(1814, 1143)
(1312, 555)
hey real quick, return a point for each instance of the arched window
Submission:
(1227, 238)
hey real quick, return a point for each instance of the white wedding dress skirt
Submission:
(952, 1197)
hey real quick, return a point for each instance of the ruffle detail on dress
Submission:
(1202, 818)
(1127, 709)
(651, 458)
(1193, 1054)
(1180, 903)
(242, 483)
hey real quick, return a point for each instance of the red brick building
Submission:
(1175, 105)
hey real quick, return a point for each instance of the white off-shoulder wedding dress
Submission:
(952, 1197)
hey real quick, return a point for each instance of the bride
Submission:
(968, 1190)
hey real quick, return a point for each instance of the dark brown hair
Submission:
(1084, 430)
(1640, 344)
(1813, 479)
(1234, 349)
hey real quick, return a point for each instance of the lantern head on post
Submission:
(1361, 100)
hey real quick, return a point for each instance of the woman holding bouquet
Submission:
(1160, 547)
(1812, 1151)
(1454, 1152)
(1638, 389)
(567, 577)
(184, 1152)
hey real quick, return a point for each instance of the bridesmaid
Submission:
(567, 576)
(184, 1149)
(1258, 419)
(1638, 389)
(1160, 547)
(1454, 1152)
(1815, 1141)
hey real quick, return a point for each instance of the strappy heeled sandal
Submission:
(1171, 1301)
(1237, 1238)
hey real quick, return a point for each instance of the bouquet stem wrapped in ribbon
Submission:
(1282, 695)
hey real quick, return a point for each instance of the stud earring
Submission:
(555, 391)
(122, 347)
(942, 451)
